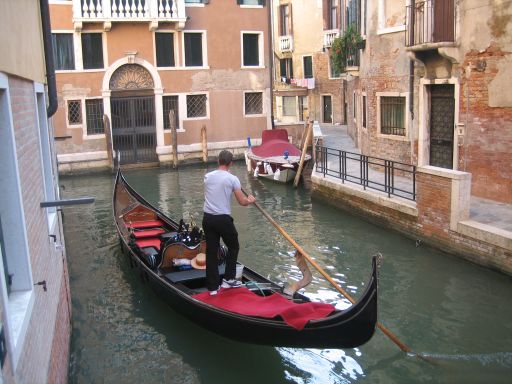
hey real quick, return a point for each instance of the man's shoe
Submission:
(231, 283)
(213, 293)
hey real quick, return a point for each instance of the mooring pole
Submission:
(174, 136)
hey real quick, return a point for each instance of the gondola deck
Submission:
(152, 241)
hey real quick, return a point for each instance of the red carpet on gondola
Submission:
(243, 301)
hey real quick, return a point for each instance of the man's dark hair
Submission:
(225, 157)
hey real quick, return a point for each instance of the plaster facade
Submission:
(222, 79)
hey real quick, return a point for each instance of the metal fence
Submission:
(391, 177)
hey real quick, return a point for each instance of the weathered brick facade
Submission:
(44, 352)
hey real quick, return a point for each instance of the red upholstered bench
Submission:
(148, 233)
(152, 242)
(145, 224)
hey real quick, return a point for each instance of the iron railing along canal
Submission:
(391, 177)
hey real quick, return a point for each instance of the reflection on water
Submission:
(457, 312)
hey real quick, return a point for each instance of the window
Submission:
(334, 74)
(193, 49)
(308, 67)
(289, 106)
(170, 103)
(333, 14)
(392, 115)
(92, 50)
(196, 1)
(74, 112)
(251, 49)
(63, 51)
(164, 44)
(303, 108)
(196, 106)
(253, 103)
(251, 2)
(94, 116)
(285, 27)
(364, 112)
(286, 68)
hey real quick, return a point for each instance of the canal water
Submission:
(457, 314)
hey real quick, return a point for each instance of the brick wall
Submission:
(431, 224)
(326, 86)
(487, 150)
(46, 261)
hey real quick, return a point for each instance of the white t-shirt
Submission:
(218, 188)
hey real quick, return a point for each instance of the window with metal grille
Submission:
(392, 115)
(170, 103)
(308, 67)
(250, 42)
(303, 108)
(196, 106)
(164, 43)
(74, 112)
(253, 103)
(251, 2)
(63, 51)
(193, 49)
(289, 106)
(94, 116)
(92, 50)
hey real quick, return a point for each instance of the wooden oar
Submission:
(386, 331)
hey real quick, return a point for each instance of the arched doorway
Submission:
(132, 108)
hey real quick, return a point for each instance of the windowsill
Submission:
(398, 28)
(392, 137)
(195, 5)
(335, 78)
(19, 305)
(168, 130)
(250, 6)
(94, 137)
(197, 118)
(253, 67)
(256, 115)
(80, 70)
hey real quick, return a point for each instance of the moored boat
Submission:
(276, 158)
(155, 243)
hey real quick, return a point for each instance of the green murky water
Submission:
(440, 306)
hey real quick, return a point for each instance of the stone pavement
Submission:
(484, 211)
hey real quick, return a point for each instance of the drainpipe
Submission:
(271, 59)
(48, 58)
(411, 105)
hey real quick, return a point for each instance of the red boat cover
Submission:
(273, 143)
(243, 301)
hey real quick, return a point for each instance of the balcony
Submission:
(286, 43)
(430, 24)
(109, 11)
(329, 37)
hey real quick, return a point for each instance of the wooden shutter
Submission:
(325, 11)
(290, 18)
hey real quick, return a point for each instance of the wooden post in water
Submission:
(303, 154)
(204, 144)
(108, 136)
(174, 138)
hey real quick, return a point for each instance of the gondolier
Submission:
(219, 185)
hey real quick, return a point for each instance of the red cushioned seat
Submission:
(143, 243)
(148, 233)
(145, 224)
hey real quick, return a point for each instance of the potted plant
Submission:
(344, 49)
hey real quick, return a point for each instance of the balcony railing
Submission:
(353, 58)
(329, 37)
(390, 177)
(108, 11)
(286, 43)
(430, 22)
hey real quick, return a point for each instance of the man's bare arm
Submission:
(242, 199)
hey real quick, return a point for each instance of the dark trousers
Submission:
(216, 227)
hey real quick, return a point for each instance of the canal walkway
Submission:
(484, 211)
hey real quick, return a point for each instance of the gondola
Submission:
(153, 242)
(276, 159)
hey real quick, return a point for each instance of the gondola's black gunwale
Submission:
(193, 308)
